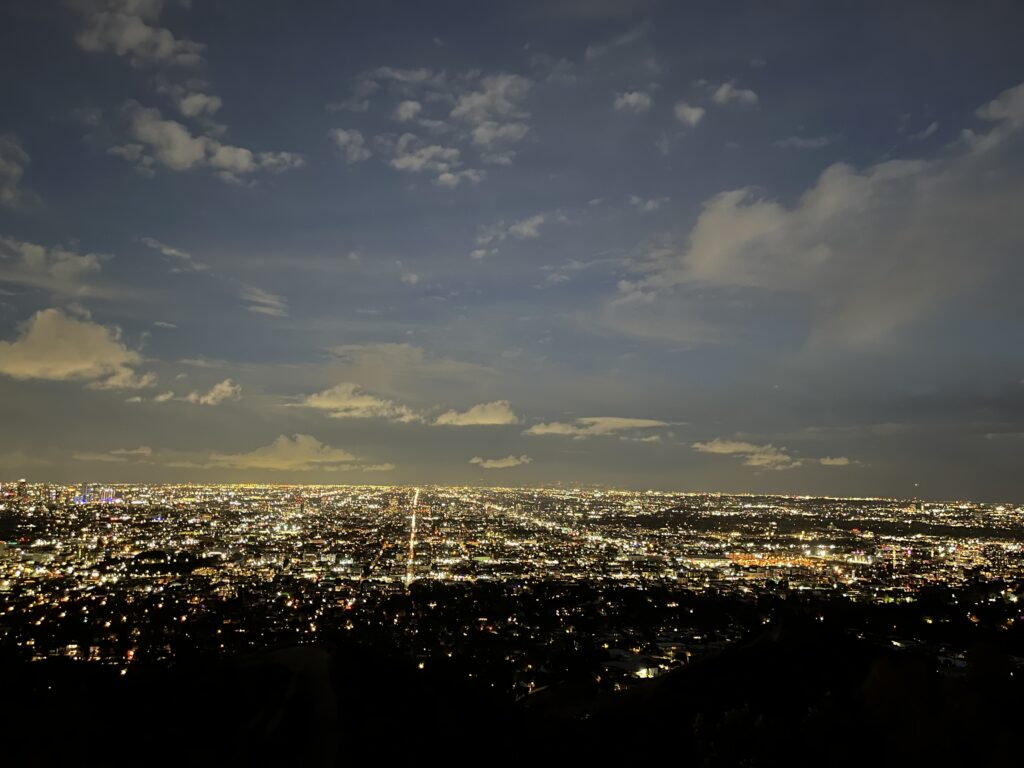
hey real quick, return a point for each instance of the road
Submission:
(412, 540)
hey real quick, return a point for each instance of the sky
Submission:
(622, 243)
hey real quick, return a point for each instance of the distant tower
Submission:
(22, 490)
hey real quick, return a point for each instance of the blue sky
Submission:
(637, 244)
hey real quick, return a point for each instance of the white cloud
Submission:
(647, 206)
(689, 115)
(142, 450)
(184, 261)
(122, 27)
(728, 93)
(116, 456)
(594, 426)
(298, 453)
(500, 97)
(495, 114)
(489, 133)
(869, 251)
(56, 269)
(348, 401)
(13, 160)
(527, 228)
(485, 414)
(407, 110)
(834, 461)
(352, 143)
(412, 156)
(760, 456)
(194, 104)
(263, 302)
(505, 463)
(52, 346)
(767, 456)
(163, 397)
(219, 393)
(633, 101)
(409, 278)
(172, 145)
(450, 179)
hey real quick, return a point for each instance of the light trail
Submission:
(412, 540)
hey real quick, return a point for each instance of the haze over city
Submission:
(626, 244)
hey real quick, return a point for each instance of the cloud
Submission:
(221, 392)
(760, 456)
(495, 114)
(184, 261)
(116, 456)
(453, 179)
(805, 142)
(13, 161)
(485, 414)
(527, 228)
(932, 128)
(142, 450)
(633, 101)
(52, 346)
(728, 93)
(412, 156)
(490, 133)
(366, 84)
(409, 278)
(122, 27)
(194, 104)
(834, 461)
(594, 426)
(866, 251)
(172, 145)
(647, 206)
(352, 143)
(505, 463)
(405, 370)
(55, 269)
(688, 115)
(348, 401)
(298, 453)
(407, 110)
(499, 97)
(163, 397)
(764, 456)
(596, 51)
(263, 302)
(524, 229)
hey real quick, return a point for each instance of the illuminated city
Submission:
(153, 572)
(584, 382)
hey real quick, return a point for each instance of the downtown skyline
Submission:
(628, 244)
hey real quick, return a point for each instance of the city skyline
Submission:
(619, 244)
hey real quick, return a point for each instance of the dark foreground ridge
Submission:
(795, 693)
